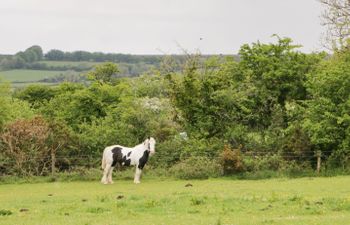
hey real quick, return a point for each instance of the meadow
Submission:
(168, 201)
(27, 76)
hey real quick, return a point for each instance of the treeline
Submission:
(276, 109)
(58, 55)
(29, 59)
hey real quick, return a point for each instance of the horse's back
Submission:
(118, 153)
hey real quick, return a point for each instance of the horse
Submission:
(124, 156)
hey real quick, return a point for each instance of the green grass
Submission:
(27, 75)
(156, 201)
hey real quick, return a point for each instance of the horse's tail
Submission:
(103, 164)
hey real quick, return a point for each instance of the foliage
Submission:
(231, 160)
(103, 73)
(12, 109)
(27, 144)
(271, 110)
(59, 55)
(36, 95)
(31, 54)
(326, 118)
(196, 167)
(213, 96)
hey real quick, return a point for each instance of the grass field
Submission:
(27, 75)
(156, 201)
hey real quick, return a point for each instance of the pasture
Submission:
(157, 201)
(27, 76)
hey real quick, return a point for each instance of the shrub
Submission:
(231, 160)
(30, 145)
(253, 163)
(196, 167)
(339, 159)
(168, 153)
(202, 147)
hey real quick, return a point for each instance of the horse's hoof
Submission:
(137, 182)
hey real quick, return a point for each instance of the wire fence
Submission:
(166, 156)
(45, 164)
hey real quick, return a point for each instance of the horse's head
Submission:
(151, 145)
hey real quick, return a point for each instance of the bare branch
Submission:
(336, 18)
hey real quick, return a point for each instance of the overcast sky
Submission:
(156, 26)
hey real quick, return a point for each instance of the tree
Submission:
(326, 117)
(38, 52)
(55, 54)
(36, 95)
(32, 54)
(215, 96)
(104, 73)
(336, 18)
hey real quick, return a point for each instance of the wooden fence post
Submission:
(318, 155)
(53, 163)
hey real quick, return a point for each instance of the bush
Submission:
(202, 147)
(254, 163)
(168, 153)
(231, 160)
(339, 159)
(30, 145)
(196, 167)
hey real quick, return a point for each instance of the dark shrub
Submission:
(231, 160)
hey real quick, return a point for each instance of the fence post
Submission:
(318, 155)
(53, 163)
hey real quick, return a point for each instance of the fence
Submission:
(92, 161)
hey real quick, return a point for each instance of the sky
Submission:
(156, 26)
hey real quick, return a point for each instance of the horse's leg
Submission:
(105, 174)
(137, 175)
(109, 177)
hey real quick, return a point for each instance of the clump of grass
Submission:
(5, 212)
(151, 203)
(121, 204)
(197, 201)
(96, 210)
(336, 204)
(193, 211)
(295, 198)
(103, 198)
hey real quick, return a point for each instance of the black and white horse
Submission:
(124, 156)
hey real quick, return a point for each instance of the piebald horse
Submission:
(124, 156)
